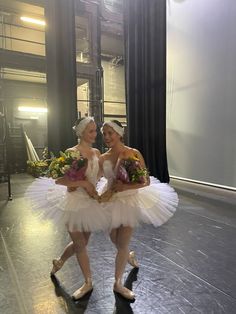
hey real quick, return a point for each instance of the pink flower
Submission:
(122, 174)
(130, 170)
(74, 174)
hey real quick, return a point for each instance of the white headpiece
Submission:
(79, 129)
(115, 127)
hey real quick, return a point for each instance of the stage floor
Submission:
(187, 265)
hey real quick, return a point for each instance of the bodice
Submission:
(92, 170)
(109, 172)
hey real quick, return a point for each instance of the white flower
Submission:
(75, 154)
(54, 175)
(57, 167)
(64, 169)
(62, 154)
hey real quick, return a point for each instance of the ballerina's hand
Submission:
(61, 181)
(119, 186)
(90, 189)
(106, 196)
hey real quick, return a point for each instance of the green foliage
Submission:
(38, 168)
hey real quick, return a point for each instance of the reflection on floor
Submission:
(186, 266)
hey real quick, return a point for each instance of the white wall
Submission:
(201, 90)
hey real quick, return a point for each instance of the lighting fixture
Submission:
(32, 109)
(31, 20)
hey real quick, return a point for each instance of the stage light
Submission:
(32, 109)
(31, 20)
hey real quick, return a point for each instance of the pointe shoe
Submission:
(57, 265)
(132, 259)
(82, 291)
(123, 291)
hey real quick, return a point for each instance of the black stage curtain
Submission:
(61, 73)
(145, 58)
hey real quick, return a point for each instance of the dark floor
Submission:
(186, 266)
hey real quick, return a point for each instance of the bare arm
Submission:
(72, 185)
(120, 186)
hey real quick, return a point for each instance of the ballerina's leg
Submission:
(59, 262)
(121, 238)
(80, 241)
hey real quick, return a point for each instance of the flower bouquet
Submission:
(70, 164)
(37, 168)
(130, 171)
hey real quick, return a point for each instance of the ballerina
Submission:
(74, 203)
(130, 204)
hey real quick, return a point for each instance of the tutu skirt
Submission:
(77, 210)
(154, 204)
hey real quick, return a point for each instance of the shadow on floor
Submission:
(122, 305)
(78, 307)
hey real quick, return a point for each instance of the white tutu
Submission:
(154, 204)
(77, 210)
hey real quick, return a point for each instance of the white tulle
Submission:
(154, 204)
(77, 210)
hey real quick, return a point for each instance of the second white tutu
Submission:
(154, 204)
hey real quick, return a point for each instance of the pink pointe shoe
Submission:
(123, 291)
(57, 265)
(82, 291)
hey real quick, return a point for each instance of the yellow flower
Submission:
(134, 158)
(61, 159)
(42, 164)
